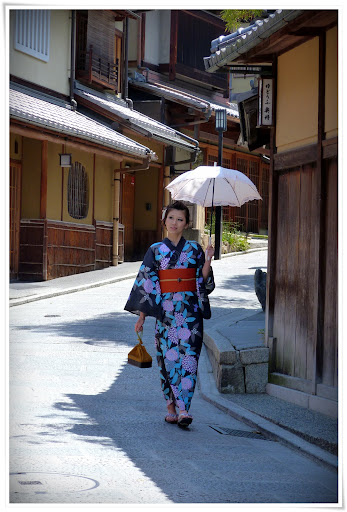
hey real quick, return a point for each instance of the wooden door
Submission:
(15, 196)
(127, 213)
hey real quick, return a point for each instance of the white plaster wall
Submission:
(55, 73)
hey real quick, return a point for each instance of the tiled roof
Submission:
(135, 119)
(175, 94)
(42, 110)
(225, 49)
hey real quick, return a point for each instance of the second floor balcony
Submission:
(94, 68)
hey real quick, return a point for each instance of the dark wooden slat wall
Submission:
(291, 278)
(70, 249)
(281, 273)
(31, 250)
(303, 307)
(298, 357)
(67, 248)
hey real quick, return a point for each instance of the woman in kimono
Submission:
(170, 286)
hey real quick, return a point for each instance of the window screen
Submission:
(77, 197)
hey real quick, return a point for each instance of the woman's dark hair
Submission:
(176, 205)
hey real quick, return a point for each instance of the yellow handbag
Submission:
(139, 356)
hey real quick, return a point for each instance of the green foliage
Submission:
(231, 234)
(261, 332)
(234, 17)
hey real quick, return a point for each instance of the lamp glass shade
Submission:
(65, 159)
(221, 119)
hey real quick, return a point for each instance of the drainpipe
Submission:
(116, 194)
(73, 59)
(126, 56)
(116, 202)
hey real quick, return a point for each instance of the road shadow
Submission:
(128, 418)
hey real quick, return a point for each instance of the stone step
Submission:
(238, 355)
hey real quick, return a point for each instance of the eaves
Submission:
(226, 49)
(58, 116)
(133, 119)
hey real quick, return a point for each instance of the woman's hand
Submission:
(209, 252)
(139, 323)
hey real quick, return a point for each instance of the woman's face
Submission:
(176, 222)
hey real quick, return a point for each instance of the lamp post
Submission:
(221, 126)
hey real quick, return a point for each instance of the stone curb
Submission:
(272, 431)
(19, 302)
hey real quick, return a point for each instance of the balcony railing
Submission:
(92, 67)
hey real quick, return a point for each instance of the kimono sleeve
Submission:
(145, 295)
(204, 303)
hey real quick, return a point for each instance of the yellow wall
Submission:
(54, 73)
(104, 188)
(146, 187)
(13, 146)
(331, 84)
(31, 179)
(297, 97)
(54, 181)
(30, 152)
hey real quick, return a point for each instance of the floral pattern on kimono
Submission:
(179, 315)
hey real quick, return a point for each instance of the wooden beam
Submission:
(295, 157)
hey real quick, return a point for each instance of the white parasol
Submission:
(213, 186)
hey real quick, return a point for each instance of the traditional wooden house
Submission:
(167, 81)
(76, 202)
(300, 48)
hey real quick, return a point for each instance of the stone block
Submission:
(256, 377)
(255, 355)
(231, 379)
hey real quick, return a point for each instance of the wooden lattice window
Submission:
(78, 194)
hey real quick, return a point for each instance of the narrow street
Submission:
(86, 427)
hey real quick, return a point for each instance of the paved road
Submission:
(88, 428)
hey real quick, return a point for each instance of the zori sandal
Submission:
(171, 417)
(184, 419)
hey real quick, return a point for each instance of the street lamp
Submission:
(221, 126)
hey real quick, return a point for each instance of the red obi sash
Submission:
(177, 280)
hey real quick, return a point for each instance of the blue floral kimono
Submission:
(179, 325)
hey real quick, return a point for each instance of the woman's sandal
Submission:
(184, 419)
(171, 417)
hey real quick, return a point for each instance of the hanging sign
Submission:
(265, 96)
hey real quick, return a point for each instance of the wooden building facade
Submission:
(168, 79)
(302, 284)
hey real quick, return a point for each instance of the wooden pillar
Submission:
(43, 191)
(160, 201)
(272, 236)
(43, 205)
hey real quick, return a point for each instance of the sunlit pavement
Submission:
(86, 427)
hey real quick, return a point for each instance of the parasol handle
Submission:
(209, 243)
